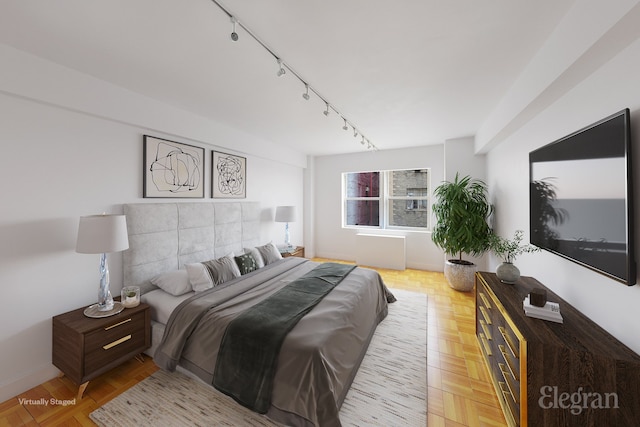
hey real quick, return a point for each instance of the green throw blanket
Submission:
(248, 354)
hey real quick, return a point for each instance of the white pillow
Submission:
(269, 253)
(174, 282)
(206, 275)
(256, 255)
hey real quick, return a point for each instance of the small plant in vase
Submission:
(509, 250)
(130, 296)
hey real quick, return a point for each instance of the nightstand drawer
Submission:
(113, 341)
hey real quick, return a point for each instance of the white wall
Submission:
(72, 146)
(594, 93)
(460, 158)
(333, 241)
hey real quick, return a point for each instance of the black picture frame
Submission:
(172, 169)
(228, 176)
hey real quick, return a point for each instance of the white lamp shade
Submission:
(285, 214)
(102, 234)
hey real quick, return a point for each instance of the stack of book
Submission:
(550, 311)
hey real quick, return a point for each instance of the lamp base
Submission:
(93, 311)
(287, 237)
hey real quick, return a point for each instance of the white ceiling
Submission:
(404, 72)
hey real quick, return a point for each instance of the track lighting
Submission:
(281, 71)
(234, 35)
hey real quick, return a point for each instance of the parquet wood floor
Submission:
(460, 391)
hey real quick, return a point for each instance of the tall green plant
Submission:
(462, 211)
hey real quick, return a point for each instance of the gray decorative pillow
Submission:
(199, 277)
(174, 282)
(269, 253)
(205, 275)
(246, 263)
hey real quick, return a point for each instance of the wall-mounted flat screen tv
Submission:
(581, 198)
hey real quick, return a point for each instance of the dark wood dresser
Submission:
(553, 374)
(84, 348)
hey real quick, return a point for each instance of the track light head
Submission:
(234, 35)
(355, 132)
(306, 94)
(326, 112)
(345, 127)
(362, 142)
(281, 71)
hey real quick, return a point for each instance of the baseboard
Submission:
(34, 378)
(336, 255)
(425, 266)
(414, 265)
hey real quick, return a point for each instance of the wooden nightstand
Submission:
(84, 348)
(297, 251)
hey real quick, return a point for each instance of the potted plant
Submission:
(509, 250)
(462, 211)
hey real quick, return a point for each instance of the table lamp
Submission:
(101, 234)
(286, 214)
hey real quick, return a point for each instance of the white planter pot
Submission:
(460, 274)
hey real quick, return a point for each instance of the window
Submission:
(362, 201)
(387, 199)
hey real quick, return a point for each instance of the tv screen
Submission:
(581, 198)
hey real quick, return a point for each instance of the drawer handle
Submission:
(486, 330)
(485, 300)
(117, 342)
(485, 315)
(504, 372)
(503, 332)
(485, 344)
(503, 388)
(117, 324)
(506, 359)
(505, 391)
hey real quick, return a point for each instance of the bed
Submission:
(320, 354)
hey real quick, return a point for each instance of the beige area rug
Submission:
(390, 388)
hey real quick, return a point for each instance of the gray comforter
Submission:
(319, 357)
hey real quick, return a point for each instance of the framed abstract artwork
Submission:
(172, 169)
(228, 176)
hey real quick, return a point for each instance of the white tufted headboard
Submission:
(166, 236)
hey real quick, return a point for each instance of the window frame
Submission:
(346, 199)
(385, 201)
